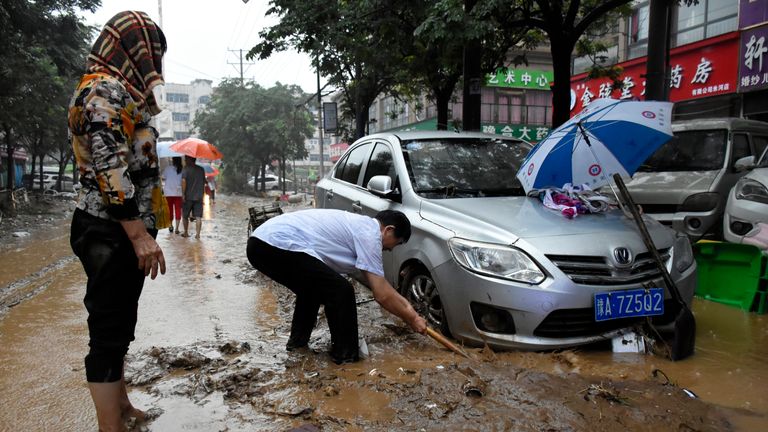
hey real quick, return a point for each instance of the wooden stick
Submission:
(445, 342)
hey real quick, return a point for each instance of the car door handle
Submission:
(356, 207)
(329, 195)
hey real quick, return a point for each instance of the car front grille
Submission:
(596, 270)
(565, 323)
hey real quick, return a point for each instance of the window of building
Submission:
(702, 20)
(180, 135)
(510, 107)
(202, 100)
(538, 107)
(177, 116)
(177, 97)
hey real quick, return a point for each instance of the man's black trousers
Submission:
(314, 284)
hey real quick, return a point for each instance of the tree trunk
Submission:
(9, 206)
(442, 98)
(472, 79)
(561, 89)
(656, 85)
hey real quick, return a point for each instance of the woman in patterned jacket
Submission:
(119, 206)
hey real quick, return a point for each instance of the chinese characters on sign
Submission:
(700, 69)
(528, 133)
(753, 61)
(520, 78)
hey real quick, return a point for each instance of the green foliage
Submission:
(253, 126)
(43, 45)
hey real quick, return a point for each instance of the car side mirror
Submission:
(380, 185)
(744, 164)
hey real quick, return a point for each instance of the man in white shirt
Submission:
(309, 250)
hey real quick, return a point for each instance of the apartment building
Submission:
(180, 103)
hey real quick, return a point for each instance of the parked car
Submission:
(746, 213)
(485, 262)
(48, 182)
(271, 182)
(685, 184)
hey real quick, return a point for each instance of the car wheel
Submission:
(421, 291)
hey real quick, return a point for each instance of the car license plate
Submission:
(629, 303)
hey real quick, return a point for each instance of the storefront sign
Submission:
(530, 133)
(752, 12)
(753, 61)
(520, 78)
(701, 69)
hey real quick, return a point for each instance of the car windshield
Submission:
(464, 167)
(689, 151)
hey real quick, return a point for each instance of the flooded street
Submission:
(209, 353)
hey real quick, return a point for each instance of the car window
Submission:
(761, 143)
(700, 150)
(740, 147)
(464, 167)
(354, 164)
(380, 164)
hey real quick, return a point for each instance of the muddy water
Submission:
(209, 353)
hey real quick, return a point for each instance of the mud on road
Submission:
(209, 356)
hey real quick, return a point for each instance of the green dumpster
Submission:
(732, 274)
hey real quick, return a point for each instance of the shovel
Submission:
(684, 338)
(446, 343)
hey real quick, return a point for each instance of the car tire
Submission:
(421, 291)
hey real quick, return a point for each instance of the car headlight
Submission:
(683, 253)
(496, 260)
(751, 190)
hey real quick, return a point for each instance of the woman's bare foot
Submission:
(130, 412)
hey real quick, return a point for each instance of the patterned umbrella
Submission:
(608, 137)
(197, 148)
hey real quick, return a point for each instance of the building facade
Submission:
(180, 103)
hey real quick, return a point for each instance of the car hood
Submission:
(669, 187)
(507, 219)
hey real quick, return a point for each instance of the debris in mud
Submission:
(234, 347)
(611, 395)
(330, 391)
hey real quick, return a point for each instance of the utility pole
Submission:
(242, 71)
(320, 122)
(470, 111)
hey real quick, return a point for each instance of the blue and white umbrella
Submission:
(608, 137)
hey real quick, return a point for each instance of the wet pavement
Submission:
(209, 354)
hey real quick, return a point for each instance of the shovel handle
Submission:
(445, 342)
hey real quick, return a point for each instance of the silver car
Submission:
(487, 264)
(746, 213)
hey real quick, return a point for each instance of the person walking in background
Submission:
(120, 203)
(192, 190)
(308, 250)
(212, 187)
(172, 190)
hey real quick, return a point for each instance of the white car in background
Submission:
(271, 182)
(746, 213)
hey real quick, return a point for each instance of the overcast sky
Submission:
(200, 34)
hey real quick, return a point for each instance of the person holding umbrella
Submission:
(172, 189)
(192, 190)
(120, 205)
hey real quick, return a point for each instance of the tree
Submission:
(40, 42)
(564, 23)
(356, 45)
(254, 126)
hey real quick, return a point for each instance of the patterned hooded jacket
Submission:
(114, 146)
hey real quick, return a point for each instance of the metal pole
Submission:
(320, 122)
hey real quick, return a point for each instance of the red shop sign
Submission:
(701, 69)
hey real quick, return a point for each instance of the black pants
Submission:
(112, 292)
(314, 284)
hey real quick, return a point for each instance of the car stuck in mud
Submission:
(488, 264)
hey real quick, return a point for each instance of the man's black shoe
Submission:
(345, 356)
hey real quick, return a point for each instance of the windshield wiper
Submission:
(449, 190)
(510, 191)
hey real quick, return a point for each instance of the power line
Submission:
(242, 82)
